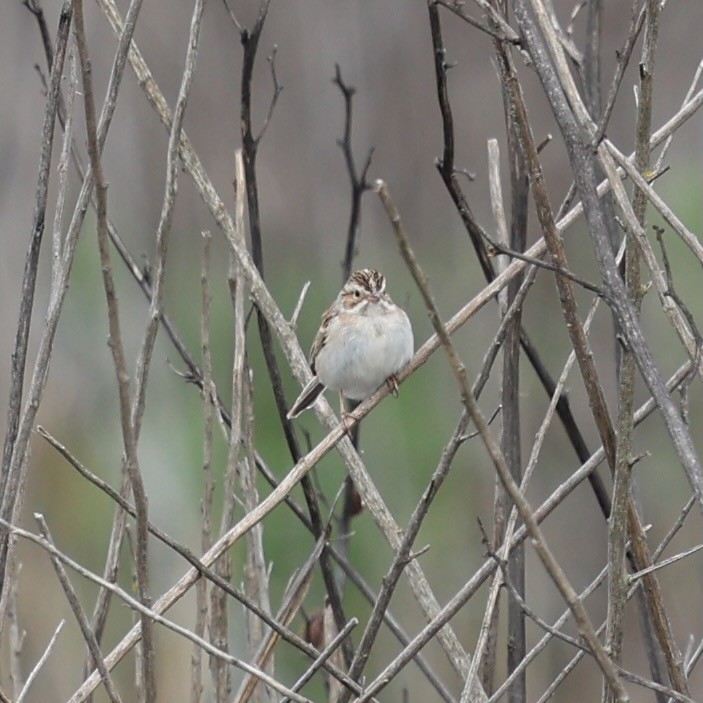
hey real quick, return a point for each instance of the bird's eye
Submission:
(357, 293)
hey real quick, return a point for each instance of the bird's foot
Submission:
(392, 383)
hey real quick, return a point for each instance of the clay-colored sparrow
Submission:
(364, 339)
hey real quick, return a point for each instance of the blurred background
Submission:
(383, 48)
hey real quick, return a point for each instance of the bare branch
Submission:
(80, 614)
(184, 552)
(42, 660)
(357, 179)
(277, 90)
(129, 436)
(201, 589)
(17, 432)
(292, 600)
(583, 165)
(525, 510)
(325, 654)
(16, 633)
(234, 568)
(501, 31)
(147, 612)
(299, 305)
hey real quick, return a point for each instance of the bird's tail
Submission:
(307, 397)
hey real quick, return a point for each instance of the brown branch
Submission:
(478, 238)
(115, 343)
(201, 590)
(510, 401)
(617, 528)
(583, 167)
(250, 42)
(15, 445)
(429, 632)
(357, 179)
(152, 614)
(497, 27)
(526, 512)
(568, 114)
(623, 55)
(81, 617)
(203, 569)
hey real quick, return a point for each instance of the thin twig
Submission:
(129, 436)
(63, 172)
(261, 641)
(510, 393)
(677, 317)
(671, 560)
(324, 655)
(475, 582)
(14, 466)
(16, 635)
(689, 94)
(359, 183)
(277, 90)
(201, 589)
(571, 122)
(526, 512)
(299, 305)
(291, 602)
(150, 613)
(42, 660)
(502, 31)
(688, 237)
(165, 220)
(559, 269)
(81, 617)
(623, 56)
(622, 488)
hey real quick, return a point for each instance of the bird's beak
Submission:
(372, 298)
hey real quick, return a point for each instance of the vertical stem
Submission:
(591, 58)
(593, 100)
(617, 582)
(12, 468)
(250, 144)
(201, 588)
(115, 344)
(510, 441)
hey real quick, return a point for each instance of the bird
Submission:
(364, 340)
